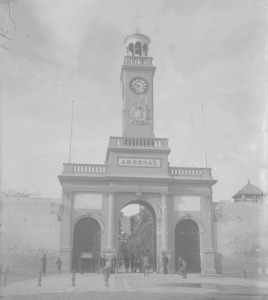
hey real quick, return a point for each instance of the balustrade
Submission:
(83, 168)
(138, 142)
(190, 172)
(130, 60)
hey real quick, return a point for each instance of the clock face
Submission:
(139, 85)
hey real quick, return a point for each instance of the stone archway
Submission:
(151, 209)
(187, 244)
(86, 240)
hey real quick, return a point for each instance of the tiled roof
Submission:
(249, 189)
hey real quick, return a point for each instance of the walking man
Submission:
(59, 263)
(165, 263)
(132, 262)
(44, 263)
(126, 261)
(146, 265)
(183, 268)
(80, 263)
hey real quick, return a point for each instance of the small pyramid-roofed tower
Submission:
(137, 88)
(248, 194)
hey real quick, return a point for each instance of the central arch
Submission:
(187, 245)
(86, 240)
(146, 204)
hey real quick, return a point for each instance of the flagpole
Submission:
(202, 106)
(71, 135)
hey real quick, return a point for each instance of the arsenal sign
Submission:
(139, 162)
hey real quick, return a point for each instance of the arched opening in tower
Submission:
(131, 49)
(138, 49)
(145, 50)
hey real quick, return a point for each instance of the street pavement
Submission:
(134, 286)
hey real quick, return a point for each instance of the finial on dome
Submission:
(138, 17)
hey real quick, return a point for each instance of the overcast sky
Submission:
(207, 52)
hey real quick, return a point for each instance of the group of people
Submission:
(181, 265)
(113, 264)
(135, 262)
(140, 263)
(44, 264)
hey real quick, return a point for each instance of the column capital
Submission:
(164, 196)
(67, 192)
(111, 195)
(109, 192)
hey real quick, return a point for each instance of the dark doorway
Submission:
(187, 245)
(86, 240)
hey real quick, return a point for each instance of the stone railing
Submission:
(84, 168)
(137, 60)
(138, 143)
(189, 172)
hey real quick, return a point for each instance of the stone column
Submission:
(111, 223)
(165, 247)
(65, 233)
(164, 223)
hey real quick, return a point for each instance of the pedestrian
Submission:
(59, 263)
(106, 272)
(183, 268)
(126, 261)
(137, 264)
(165, 263)
(146, 265)
(179, 264)
(44, 263)
(103, 261)
(113, 264)
(80, 263)
(132, 262)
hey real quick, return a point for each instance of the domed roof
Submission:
(137, 37)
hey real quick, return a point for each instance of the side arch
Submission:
(200, 225)
(86, 232)
(88, 215)
(188, 243)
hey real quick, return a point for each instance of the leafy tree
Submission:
(141, 241)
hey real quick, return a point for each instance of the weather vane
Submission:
(138, 17)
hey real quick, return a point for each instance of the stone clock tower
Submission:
(137, 171)
(137, 81)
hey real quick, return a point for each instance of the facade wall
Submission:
(29, 227)
(195, 204)
(241, 236)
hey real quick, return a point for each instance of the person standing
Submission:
(165, 263)
(106, 272)
(183, 268)
(146, 265)
(59, 263)
(44, 263)
(132, 262)
(126, 261)
(80, 263)
(113, 264)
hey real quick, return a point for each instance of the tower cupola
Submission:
(137, 44)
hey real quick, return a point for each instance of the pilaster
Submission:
(111, 249)
(165, 247)
(65, 236)
(209, 254)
